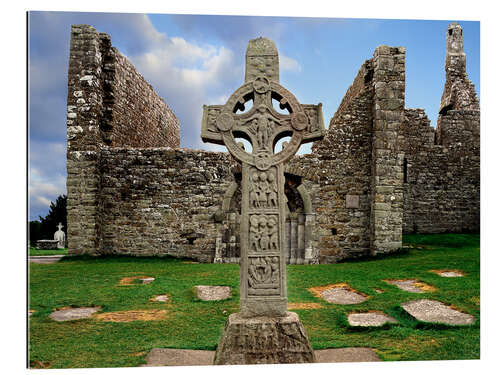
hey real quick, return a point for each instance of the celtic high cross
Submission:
(263, 210)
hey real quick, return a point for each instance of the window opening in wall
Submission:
(450, 31)
(334, 231)
(405, 170)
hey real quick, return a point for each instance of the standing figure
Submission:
(272, 198)
(264, 237)
(254, 191)
(263, 188)
(254, 233)
(272, 230)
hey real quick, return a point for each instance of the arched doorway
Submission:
(299, 223)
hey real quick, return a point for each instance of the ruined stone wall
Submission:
(136, 116)
(442, 184)
(387, 160)
(161, 201)
(442, 179)
(380, 170)
(108, 104)
(337, 175)
(84, 110)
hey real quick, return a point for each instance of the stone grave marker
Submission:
(369, 319)
(263, 301)
(212, 292)
(75, 313)
(60, 237)
(431, 311)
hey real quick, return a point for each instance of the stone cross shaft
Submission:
(263, 210)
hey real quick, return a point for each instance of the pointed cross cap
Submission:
(59, 226)
(262, 60)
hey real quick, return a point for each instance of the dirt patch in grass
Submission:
(448, 273)
(132, 280)
(138, 354)
(424, 287)
(132, 315)
(412, 285)
(303, 306)
(40, 364)
(317, 290)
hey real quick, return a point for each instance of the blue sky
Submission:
(194, 60)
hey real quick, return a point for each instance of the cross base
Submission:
(263, 340)
(272, 307)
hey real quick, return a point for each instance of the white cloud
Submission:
(187, 75)
(289, 64)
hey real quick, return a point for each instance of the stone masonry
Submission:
(109, 105)
(381, 169)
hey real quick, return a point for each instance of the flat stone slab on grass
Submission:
(430, 311)
(369, 319)
(412, 285)
(132, 315)
(185, 357)
(161, 298)
(346, 355)
(212, 292)
(179, 357)
(448, 273)
(73, 313)
(340, 294)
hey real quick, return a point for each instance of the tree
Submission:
(57, 214)
(34, 232)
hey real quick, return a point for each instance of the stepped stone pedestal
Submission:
(263, 340)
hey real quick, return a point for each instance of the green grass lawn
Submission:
(193, 324)
(36, 252)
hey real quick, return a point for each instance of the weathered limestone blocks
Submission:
(262, 340)
(387, 160)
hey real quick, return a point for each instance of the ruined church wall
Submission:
(108, 104)
(161, 201)
(442, 186)
(84, 109)
(139, 117)
(338, 167)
